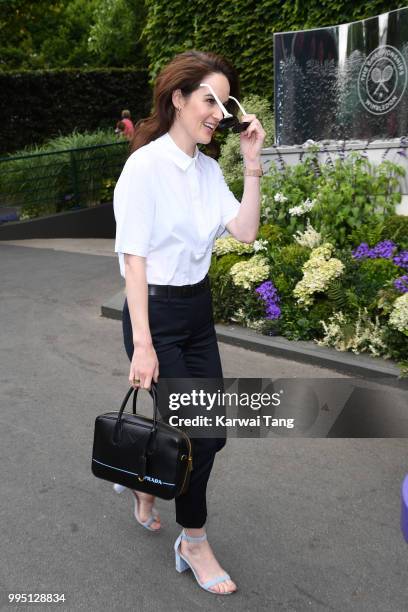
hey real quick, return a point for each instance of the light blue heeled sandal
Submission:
(182, 564)
(152, 518)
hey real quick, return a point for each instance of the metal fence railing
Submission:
(40, 184)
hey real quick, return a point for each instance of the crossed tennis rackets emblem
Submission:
(382, 80)
(380, 77)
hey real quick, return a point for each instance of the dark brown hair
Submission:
(185, 72)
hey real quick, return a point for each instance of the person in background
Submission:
(125, 126)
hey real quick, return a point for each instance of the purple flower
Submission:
(401, 284)
(273, 311)
(362, 251)
(384, 249)
(401, 260)
(268, 293)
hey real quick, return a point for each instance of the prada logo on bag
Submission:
(151, 479)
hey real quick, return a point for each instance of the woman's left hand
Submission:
(252, 139)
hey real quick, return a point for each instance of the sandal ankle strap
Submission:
(193, 539)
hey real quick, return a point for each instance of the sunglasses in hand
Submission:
(229, 122)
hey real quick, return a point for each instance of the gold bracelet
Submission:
(253, 172)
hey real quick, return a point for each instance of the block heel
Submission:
(182, 565)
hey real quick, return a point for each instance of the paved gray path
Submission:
(300, 524)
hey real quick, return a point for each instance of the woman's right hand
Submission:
(144, 366)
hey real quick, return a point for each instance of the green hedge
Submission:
(242, 30)
(36, 106)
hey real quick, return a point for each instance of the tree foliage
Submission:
(114, 35)
(68, 45)
(71, 33)
(92, 33)
(24, 25)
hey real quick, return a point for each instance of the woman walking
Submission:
(170, 203)
(125, 126)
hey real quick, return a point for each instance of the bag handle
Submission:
(152, 436)
(153, 393)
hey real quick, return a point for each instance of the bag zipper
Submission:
(189, 460)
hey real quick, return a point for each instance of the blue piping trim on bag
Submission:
(169, 484)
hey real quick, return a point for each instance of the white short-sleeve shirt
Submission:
(169, 207)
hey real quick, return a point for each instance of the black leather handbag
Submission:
(141, 453)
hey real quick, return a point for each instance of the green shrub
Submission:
(397, 345)
(108, 187)
(352, 193)
(249, 309)
(272, 233)
(228, 299)
(344, 197)
(396, 228)
(296, 184)
(230, 159)
(76, 140)
(304, 324)
(66, 172)
(222, 265)
(237, 188)
(284, 285)
(286, 267)
(223, 290)
(336, 294)
(371, 232)
(365, 279)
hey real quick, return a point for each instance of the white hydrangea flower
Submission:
(246, 273)
(399, 315)
(257, 325)
(318, 271)
(296, 211)
(279, 197)
(309, 238)
(260, 245)
(222, 246)
(306, 206)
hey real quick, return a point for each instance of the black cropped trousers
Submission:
(184, 339)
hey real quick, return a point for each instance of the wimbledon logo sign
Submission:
(382, 80)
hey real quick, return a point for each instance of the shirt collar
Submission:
(179, 157)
